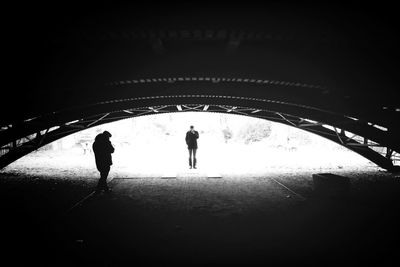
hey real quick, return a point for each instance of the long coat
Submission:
(102, 149)
(191, 139)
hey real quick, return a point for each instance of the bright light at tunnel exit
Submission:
(228, 143)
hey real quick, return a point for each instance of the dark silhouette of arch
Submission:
(75, 70)
(74, 120)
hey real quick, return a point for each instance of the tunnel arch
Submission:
(331, 75)
(373, 143)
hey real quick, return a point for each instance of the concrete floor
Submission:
(198, 220)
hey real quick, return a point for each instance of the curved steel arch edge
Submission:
(63, 131)
(62, 117)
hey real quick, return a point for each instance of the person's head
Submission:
(191, 127)
(98, 138)
(107, 134)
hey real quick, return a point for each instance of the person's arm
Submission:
(197, 135)
(187, 138)
(110, 147)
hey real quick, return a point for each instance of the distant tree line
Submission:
(251, 132)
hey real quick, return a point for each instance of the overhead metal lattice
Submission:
(377, 153)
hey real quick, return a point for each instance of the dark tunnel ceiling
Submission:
(352, 48)
(56, 49)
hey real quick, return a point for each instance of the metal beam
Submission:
(153, 109)
(43, 138)
(310, 124)
(389, 153)
(283, 117)
(196, 108)
(77, 126)
(338, 136)
(102, 117)
(364, 145)
(231, 109)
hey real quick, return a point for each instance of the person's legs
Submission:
(190, 157)
(102, 184)
(194, 158)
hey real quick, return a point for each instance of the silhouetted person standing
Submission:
(191, 141)
(103, 149)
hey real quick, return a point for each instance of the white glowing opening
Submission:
(155, 144)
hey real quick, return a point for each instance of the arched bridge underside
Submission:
(370, 140)
(329, 71)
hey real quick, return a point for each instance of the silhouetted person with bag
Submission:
(103, 149)
(191, 141)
